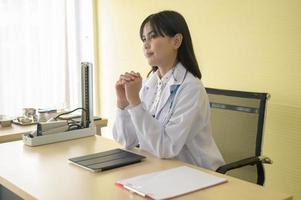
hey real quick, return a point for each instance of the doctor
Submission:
(169, 116)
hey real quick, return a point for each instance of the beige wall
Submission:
(250, 45)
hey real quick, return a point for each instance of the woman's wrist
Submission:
(135, 102)
(122, 105)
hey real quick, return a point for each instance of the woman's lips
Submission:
(149, 54)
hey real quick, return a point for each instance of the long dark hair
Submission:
(169, 23)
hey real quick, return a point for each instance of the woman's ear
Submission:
(178, 40)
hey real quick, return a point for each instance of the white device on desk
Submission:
(57, 130)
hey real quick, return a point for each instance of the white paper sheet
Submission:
(170, 183)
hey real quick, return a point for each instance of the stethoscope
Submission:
(171, 98)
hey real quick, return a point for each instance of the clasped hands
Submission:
(127, 89)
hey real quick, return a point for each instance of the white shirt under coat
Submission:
(180, 128)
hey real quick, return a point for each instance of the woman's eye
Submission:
(149, 37)
(152, 36)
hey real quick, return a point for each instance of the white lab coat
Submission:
(181, 127)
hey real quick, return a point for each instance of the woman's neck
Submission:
(163, 69)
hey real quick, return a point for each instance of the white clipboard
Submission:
(170, 183)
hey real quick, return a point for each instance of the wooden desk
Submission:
(43, 172)
(15, 132)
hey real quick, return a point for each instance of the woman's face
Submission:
(159, 51)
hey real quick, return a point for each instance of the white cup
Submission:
(29, 112)
(5, 121)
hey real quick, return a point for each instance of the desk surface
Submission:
(43, 172)
(15, 132)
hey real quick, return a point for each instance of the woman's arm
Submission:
(166, 141)
(124, 130)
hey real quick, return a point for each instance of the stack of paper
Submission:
(170, 183)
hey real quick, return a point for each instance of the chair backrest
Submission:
(237, 120)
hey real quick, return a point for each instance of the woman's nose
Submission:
(146, 44)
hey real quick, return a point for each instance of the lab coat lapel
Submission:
(175, 80)
(165, 95)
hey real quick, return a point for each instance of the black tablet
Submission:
(106, 160)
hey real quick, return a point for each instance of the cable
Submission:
(72, 124)
(70, 112)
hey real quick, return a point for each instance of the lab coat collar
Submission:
(176, 79)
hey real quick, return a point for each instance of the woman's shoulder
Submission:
(192, 80)
(194, 84)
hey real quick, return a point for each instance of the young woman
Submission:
(169, 116)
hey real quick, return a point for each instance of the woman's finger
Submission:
(136, 74)
(125, 77)
(132, 75)
(128, 77)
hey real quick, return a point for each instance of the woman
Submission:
(169, 116)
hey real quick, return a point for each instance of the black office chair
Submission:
(237, 120)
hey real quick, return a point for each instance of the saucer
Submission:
(24, 121)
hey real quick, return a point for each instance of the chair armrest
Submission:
(244, 162)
